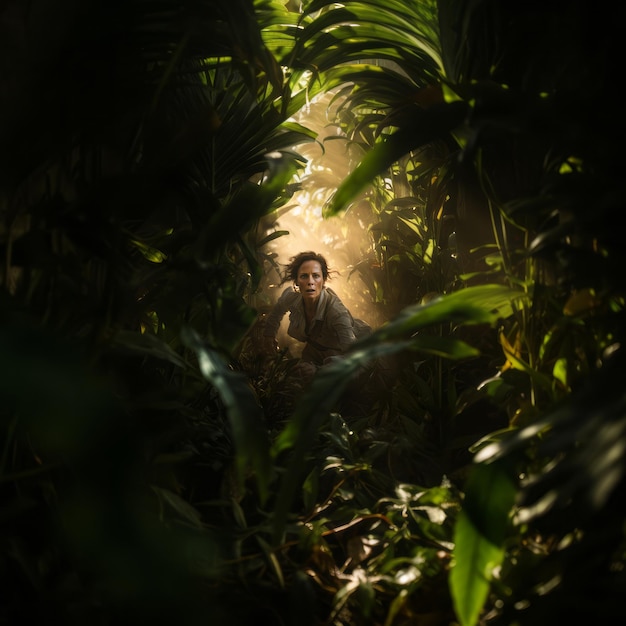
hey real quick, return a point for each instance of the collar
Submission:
(322, 304)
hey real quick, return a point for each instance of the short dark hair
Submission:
(292, 268)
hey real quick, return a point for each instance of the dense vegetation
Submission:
(154, 468)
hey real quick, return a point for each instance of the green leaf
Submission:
(185, 511)
(425, 126)
(146, 344)
(245, 415)
(447, 347)
(479, 536)
(482, 304)
(272, 559)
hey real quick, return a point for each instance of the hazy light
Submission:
(343, 240)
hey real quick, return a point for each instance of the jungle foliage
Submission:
(154, 467)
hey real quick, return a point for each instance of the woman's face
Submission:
(310, 280)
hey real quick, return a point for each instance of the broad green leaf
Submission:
(447, 347)
(483, 304)
(244, 413)
(479, 536)
(146, 344)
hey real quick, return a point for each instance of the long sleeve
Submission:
(273, 319)
(330, 334)
(340, 320)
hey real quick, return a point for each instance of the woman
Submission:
(317, 317)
